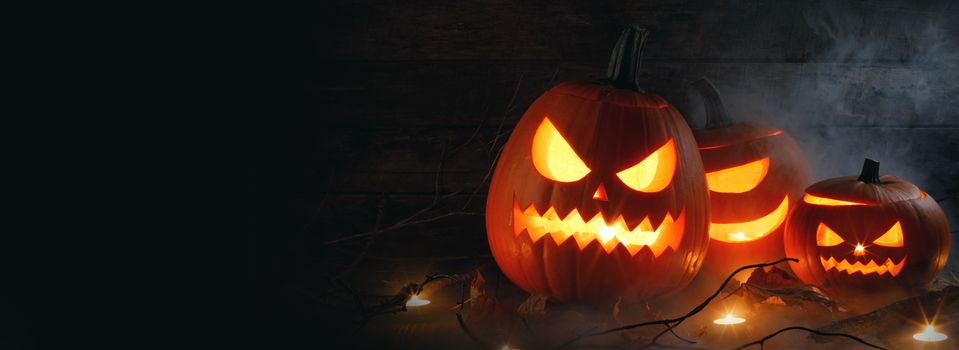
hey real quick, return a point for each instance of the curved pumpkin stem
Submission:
(623, 71)
(870, 172)
(716, 115)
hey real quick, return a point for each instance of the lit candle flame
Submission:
(738, 236)
(416, 301)
(860, 250)
(506, 347)
(729, 319)
(607, 233)
(929, 334)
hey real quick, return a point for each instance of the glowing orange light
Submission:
(600, 193)
(860, 250)
(738, 179)
(808, 198)
(929, 334)
(858, 267)
(729, 319)
(654, 173)
(553, 157)
(415, 300)
(750, 230)
(608, 233)
(892, 237)
(826, 237)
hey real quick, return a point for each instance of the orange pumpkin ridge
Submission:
(755, 173)
(599, 192)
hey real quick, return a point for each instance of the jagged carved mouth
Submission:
(608, 233)
(750, 230)
(858, 267)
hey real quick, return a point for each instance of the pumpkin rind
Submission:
(723, 145)
(610, 129)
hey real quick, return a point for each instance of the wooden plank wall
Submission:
(409, 89)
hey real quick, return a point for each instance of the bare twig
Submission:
(673, 331)
(762, 341)
(674, 322)
(477, 340)
(509, 108)
(369, 243)
(408, 221)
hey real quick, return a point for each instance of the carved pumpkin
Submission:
(755, 173)
(869, 233)
(600, 191)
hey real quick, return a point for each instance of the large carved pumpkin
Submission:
(755, 174)
(869, 233)
(600, 191)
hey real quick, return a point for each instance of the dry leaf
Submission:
(774, 278)
(774, 300)
(476, 288)
(616, 312)
(485, 312)
(535, 305)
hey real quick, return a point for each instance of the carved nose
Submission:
(600, 193)
(860, 250)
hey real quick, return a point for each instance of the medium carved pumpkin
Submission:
(755, 174)
(869, 233)
(600, 191)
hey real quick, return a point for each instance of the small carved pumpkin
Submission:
(869, 233)
(755, 174)
(600, 191)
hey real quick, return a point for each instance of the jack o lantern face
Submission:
(556, 160)
(599, 193)
(876, 256)
(742, 179)
(850, 235)
(755, 173)
(751, 183)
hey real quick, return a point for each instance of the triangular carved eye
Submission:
(826, 237)
(738, 179)
(553, 157)
(892, 237)
(654, 173)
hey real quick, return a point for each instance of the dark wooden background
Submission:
(407, 104)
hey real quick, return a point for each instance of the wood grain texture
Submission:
(454, 94)
(584, 31)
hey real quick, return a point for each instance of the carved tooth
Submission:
(633, 249)
(531, 211)
(859, 267)
(827, 264)
(597, 228)
(656, 221)
(551, 214)
(895, 269)
(645, 225)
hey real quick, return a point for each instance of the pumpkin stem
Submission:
(623, 71)
(870, 172)
(716, 115)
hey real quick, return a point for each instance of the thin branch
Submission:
(439, 173)
(408, 221)
(762, 341)
(673, 331)
(369, 243)
(509, 108)
(477, 340)
(672, 323)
